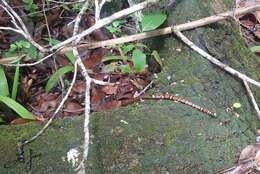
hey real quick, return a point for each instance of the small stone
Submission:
(178, 49)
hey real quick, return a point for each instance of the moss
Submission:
(162, 136)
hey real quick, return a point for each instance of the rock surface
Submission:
(164, 136)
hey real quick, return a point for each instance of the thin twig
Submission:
(138, 94)
(250, 93)
(98, 8)
(45, 18)
(81, 167)
(167, 30)
(32, 64)
(214, 60)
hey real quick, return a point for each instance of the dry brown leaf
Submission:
(109, 90)
(73, 108)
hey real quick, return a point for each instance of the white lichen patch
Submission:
(73, 156)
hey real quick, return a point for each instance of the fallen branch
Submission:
(167, 30)
(99, 24)
(249, 92)
(214, 60)
(81, 167)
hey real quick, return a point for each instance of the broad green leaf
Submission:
(139, 60)
(128, 48)
(19, 109)
(31, 51)
(157, 57)
(55, 77)
(71, 57)
(152, 21)
(4, 89)
(25, 44)
(10, 54)
(114, 58)
(255, 49)
(15, 82)
(13, 47)
(125, 68)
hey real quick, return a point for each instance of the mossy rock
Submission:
(164, 136)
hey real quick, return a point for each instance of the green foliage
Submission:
(139, 60)
(55, 77)
(69, 55)
(132, 53)
(255, 49)
(21, 48)
(128, 48)
(30, 6)
(152, 21)
(115, 27)
(15, 82)
(19, 109)
(4, 89)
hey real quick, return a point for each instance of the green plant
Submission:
(22, 48)
(55, 77)
(18, 108)
(115, 27)
(15, 82)
(30, 6)
(134, 53)
(152, 21)
(60, 72)
(9, 102)
(4, 89)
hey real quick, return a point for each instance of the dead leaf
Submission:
(73, 107)
(109, 90)
(79, 87)
(20, 121)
